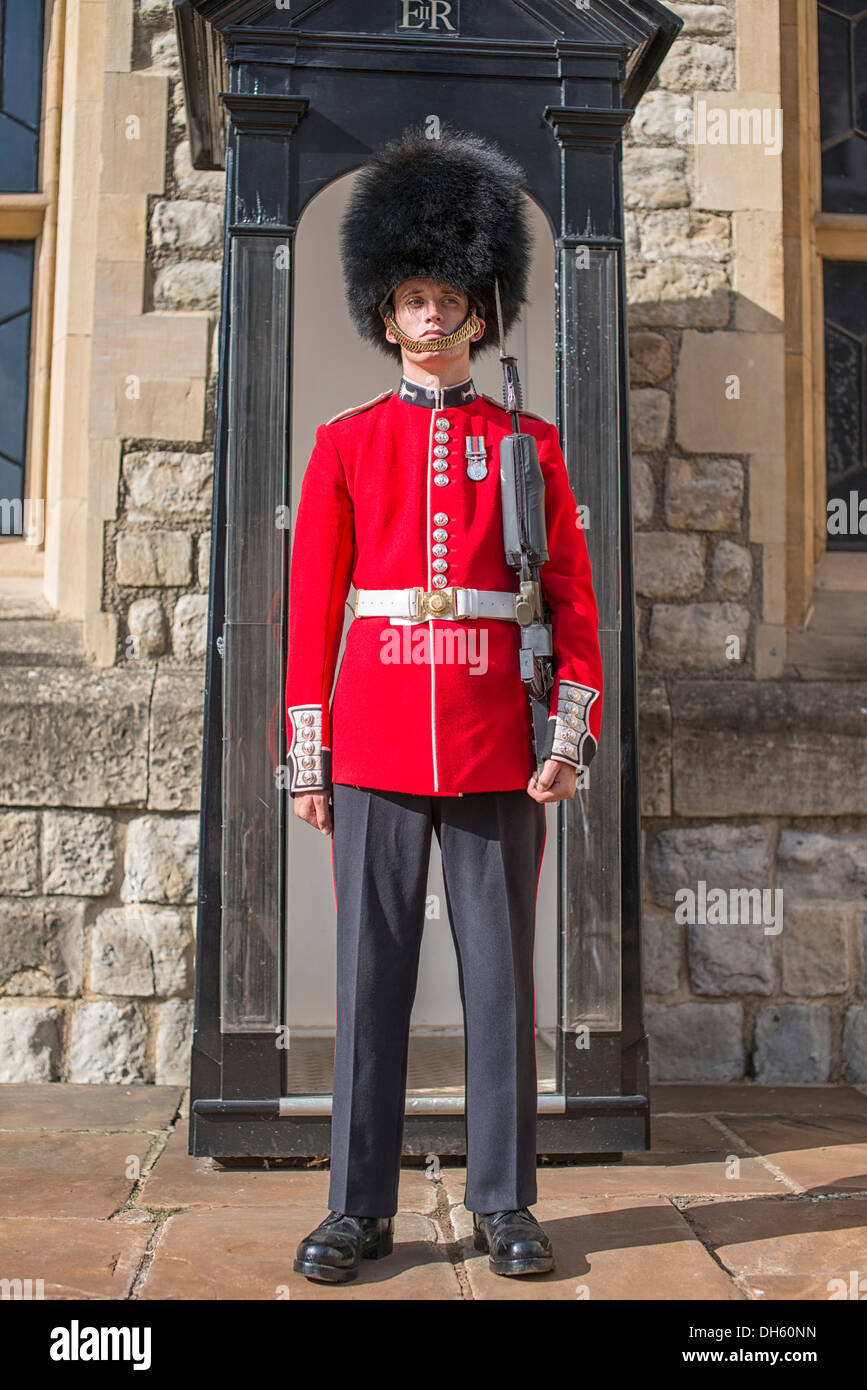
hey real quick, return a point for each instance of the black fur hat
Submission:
(450, 209)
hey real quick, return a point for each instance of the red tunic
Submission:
(435, 707)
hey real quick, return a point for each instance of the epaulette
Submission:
(356, 409)
(532, 414)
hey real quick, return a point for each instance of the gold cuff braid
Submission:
(470, 326)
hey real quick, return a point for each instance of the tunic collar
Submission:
(415, 394)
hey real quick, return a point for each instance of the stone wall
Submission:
(752, 781)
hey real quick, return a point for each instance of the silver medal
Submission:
(476, 453)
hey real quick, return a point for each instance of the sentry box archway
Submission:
(289, 98)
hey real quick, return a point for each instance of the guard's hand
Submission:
(558, 782)
(315, 809)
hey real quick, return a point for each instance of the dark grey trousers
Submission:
(492, 845)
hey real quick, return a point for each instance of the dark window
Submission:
(20, 94)
(842, 26)
(846, 403)
(16, 284)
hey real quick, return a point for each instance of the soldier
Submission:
(430, 729)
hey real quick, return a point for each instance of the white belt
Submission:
(418, 604)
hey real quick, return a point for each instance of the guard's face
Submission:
(430, 309)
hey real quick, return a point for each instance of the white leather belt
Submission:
(418, 604)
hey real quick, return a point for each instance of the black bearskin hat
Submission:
(450, 210)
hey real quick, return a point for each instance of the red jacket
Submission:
(435, 707)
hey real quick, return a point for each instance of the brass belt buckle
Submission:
(441, 603)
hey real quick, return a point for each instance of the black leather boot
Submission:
(333, 1251)
(514, 1240)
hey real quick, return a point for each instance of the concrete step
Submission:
(32, 634)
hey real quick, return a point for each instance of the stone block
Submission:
(732, 570)
(164, 53)
(676, 233)
(730, 393)
(692, 63)
(155, 13)
(730, 958)
(724, 856)
(657, 119)
(133, 139)
(19, 851)
(654, 748)
(855, 1044)
(643, 490)
(668, 566)
(165, 486)
(108, 1043)
(793, 1043)
(649, 359)
(702, 19)
(154, 557)
(748, 748)
(743, 169)
(140, 951)
(695, 1042)
(30, 1047)
(187, 224)
(147, 629)
(649, 413)
(190, 627)
(41, 946)
(161, 861)
(654, 178)
(816, 947)
(189, 285)
(197, 183)
(174, 1042)
(815, 865)
(175, 760)
(203, 572)
(699, 635)
(661, 945)
(704, 494)
(74, 737)
(78, 853)
(675, 293)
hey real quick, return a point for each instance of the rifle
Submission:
(525, 539)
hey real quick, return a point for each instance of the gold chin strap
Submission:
(470, 326)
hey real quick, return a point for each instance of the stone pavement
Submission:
(749, 1193)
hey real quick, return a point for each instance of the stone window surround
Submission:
(92, 331)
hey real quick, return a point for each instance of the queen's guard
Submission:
(453, 517)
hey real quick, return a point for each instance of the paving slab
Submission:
(76, 1258)
(606, 1248)
(687, 1175)
(69, 1174)
(239, 1253)
(178, 1179)
(789, 1248)
(819, 1157)
(59, 1105)
(742, 1098)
